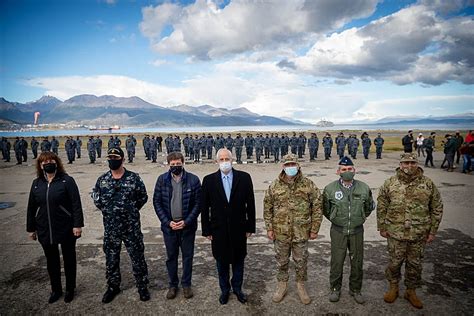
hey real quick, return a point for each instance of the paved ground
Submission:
(448, 274)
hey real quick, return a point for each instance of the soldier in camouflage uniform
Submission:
(346, 204)
(292, 214)
(91, 149)
(34, 147)
(409, 212)
(70, 147)
(120, 194)
(54, 145)
(78, 147)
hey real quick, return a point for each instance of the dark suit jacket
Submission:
(228, 222)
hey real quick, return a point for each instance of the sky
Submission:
(340, 60)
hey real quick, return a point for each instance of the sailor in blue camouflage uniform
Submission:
(313, 145)
(267, 146)
(276, 148)
(366, 143)
(340, 145)
(209, 145)
(120, 194)
(238, 143)
(327, 145)
(378, 142)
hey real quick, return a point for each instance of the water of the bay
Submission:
(226, 129)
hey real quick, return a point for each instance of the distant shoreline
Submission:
(371, 128)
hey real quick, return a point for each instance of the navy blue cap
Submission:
(346, 161)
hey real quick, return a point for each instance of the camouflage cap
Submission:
(115, 151)
(407, 157)
(289, 159)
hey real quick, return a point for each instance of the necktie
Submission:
(227, 187)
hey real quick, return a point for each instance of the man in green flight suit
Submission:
(409, 212)
(346, 204)
(292, 214)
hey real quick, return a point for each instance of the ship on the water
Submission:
(324, 123)
(104, 128)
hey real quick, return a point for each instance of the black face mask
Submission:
(50, 168)
(176, 170)
(114, 164)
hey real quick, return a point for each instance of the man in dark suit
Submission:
(228, 219)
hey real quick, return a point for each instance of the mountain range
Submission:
(109, 110)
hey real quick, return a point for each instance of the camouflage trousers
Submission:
(410, 252)
(133, 241)
(299, 251)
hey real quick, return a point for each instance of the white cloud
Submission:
(414, 44)
(158, 62)
(204, 31)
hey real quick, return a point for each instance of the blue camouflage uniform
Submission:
(276, 148)
(340, 145)
(327, 145)
(238, 143)
(378, 142)
(313, 145)
(120, 201)
(366, 143)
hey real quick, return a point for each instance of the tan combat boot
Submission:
(304, 297)
(280, 292)
(410, 295)
(392, 293)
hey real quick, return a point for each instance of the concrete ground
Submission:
(448, 275)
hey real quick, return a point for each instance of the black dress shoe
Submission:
(54, 297)
(144, 294)
(224, 298)
(110, 294)
(68, 296)
(241, 297)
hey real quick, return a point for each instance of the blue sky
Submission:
(344, 61)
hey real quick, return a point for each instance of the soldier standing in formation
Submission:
(313, 144)
(153, 145)
(346, 204)
(186, 145)
(130, 144)
(284, 142)
(366, 143)
(146, 146)
(54, 145)
(24, 147)
(259, 142)
(249, 143)
(229, 142)
(78, 147)
(34, 147)
(120, 194)
(239, 144)
(45, 145)
(276, 148)
(378, 142)
(301, 145)
(6, 147)
(17, 148)
(209, 145)
(98, 146)
(327, 145)
(292, 214)
(196, 148)
(91, 149)
(70, 147)
(409, 212)
(294, 144)
(267, 145)
(110, 143)
(340, 145)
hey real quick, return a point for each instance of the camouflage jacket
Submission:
(409, 208)
(120, 199)
(292, 210)
(346, 208)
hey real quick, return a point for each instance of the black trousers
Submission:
(223, 269)
(429, 157)
(68, 250)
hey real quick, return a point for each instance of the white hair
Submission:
(223, 150)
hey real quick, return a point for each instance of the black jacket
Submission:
(54, 209)
(228, 222)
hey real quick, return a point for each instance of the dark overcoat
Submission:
(228, 222)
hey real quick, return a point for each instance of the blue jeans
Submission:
(174, 240)
(237, 276)
(467, 162)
